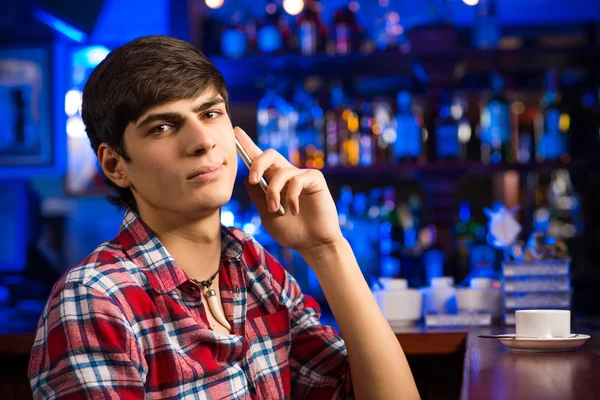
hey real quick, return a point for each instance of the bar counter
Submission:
(446, 364)
(492, 371)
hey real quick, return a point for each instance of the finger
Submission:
(266, 164)
(297, 185)
(260, 201)
(276, 185)
(247, 143)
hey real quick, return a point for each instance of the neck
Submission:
(194, 243)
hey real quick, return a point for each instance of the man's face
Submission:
(183, 156)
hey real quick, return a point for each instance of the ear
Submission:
(113, 166)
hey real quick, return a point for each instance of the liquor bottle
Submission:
(367, 138)
(234, 40)
(272, 32)
(345, 31)
(364, 238)
(276, 124)
(388, 241)
(416, 208)
(408, 146)
(375, 203)
(312, 32)
(483, 258)
(566, 219)
(343, 206)
(385, 132)
(487, 29)
(386, 31)
(434, 259)
(351, 144)
(309, 129)
(465, 136)
(446, 131)
(552, 124)
(495, 126)
(465, 233)
(336, 127)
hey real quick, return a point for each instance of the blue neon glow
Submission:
(385, 229)
(390, 267)
(269, 39)
(385, 246)
(410, 237)
(60, 26)
(249, 228)
(90, 57)
(233, 43)
(464, 212)
(227, 218)
(317, 112)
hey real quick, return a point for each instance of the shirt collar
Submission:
(148, 253)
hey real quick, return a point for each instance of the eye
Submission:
(160, 129)
(211, 114)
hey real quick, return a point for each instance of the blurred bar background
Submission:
(419, 113)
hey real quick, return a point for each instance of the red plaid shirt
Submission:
(129, 323)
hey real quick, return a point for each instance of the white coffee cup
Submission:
(543, 323)
(400, 304)
(393, 284)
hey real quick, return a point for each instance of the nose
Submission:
(199, 139)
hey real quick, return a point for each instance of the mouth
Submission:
(206, 173)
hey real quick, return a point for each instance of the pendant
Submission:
(215, 308)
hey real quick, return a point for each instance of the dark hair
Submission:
(135, 77)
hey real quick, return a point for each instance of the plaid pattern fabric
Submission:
(129, 323)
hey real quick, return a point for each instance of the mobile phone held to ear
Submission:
(262, 182)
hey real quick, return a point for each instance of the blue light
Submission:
(317, 112)
(390, 267)
(410, 237)
(227, 218)
(233, 43)
(61, 26)
(385, 229)
(90, 57)
(464, 212)
(434, 264)
(588, 100)
(249, 228)
(385, 247)
(496, 158)
(269, 39)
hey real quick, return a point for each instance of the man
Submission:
(178, 306)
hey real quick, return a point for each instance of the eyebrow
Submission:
(170, 116)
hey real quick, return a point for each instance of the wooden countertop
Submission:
(493, 371)
(416, 341)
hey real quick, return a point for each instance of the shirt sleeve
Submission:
(84, 349)
(318, 357)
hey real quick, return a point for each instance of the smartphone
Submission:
(262, 182)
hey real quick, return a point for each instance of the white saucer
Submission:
(545, 345)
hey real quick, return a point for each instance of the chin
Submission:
(212, 200)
